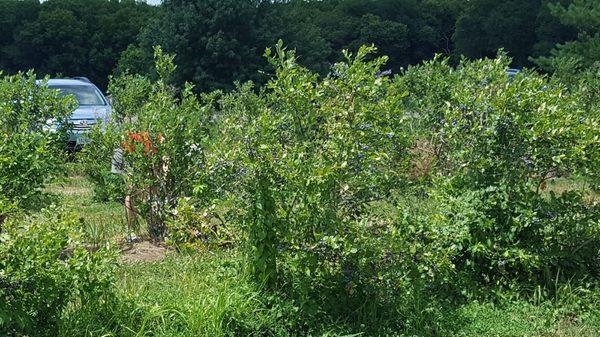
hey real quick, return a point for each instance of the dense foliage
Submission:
(407, 32)
(30, 147)
(500, 143)
(581, 51)
(68, 37)
(46, 269)
(309, 156)
(310, 160)
(218, 42)
(356, 192)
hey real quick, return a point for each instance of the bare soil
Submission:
(143, 251)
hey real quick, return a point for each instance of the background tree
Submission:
(69, 37)
(214, 40)
(12, 15)
(549, 30)
(220, 42)
(297, 23)
(583, 16)
(488, 25)
(407, 31)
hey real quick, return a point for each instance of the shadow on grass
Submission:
(41, 200)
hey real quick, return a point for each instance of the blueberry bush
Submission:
(45, 269)
(369, 196)
(306, 160)
(161, 133)
(501, 142)
(31, 116)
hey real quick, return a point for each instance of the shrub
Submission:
(307, 156)
(192, 229)
(96, 163)
(30, 149)
(45, 268)
(162, 136)
(301, 166)
(130, 92)
(502, 142)
(305, 161)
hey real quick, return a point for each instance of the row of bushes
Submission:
(356, 191)
(358, 195)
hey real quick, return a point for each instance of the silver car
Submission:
(93, 107)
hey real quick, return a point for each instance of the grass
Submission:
(212, 294)
(519, 318)
(200, 295)
(103, 220)
(183, 296)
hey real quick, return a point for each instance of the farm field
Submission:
(448, 200)
(310, 168)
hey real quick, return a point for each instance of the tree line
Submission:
(218, 42)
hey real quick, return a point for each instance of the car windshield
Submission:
(84, 94)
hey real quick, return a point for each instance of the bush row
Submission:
(358, 191)
(359, 195)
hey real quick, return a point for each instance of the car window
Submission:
(84, 94)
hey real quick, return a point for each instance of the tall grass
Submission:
(183, 295)
(213, 295)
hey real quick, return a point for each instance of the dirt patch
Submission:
(143, 251)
